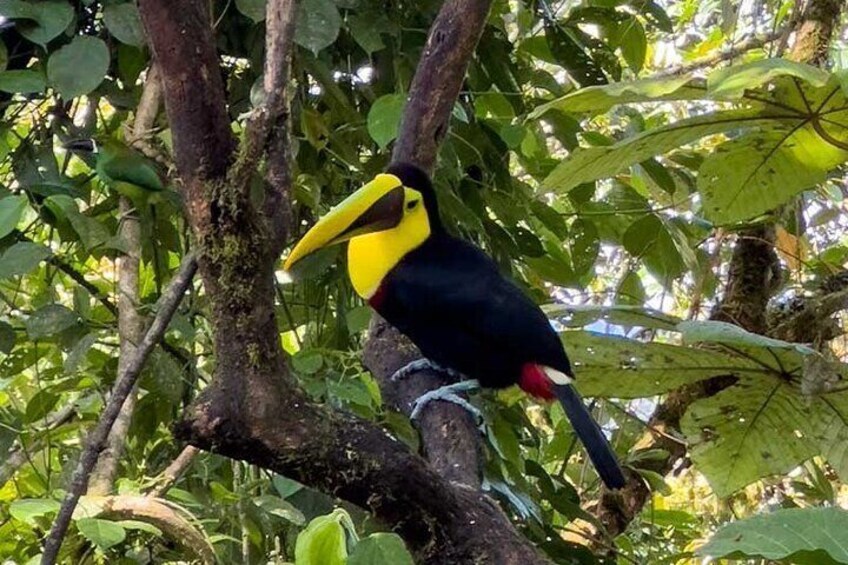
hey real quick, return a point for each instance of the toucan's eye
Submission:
(411, 204)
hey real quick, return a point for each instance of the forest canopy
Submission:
(665, 178)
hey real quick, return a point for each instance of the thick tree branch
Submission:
(166, 307)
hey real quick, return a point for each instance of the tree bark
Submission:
(253, 410)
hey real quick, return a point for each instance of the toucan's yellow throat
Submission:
(384, 220)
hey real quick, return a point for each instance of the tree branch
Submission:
(722, 55)
(167, 305)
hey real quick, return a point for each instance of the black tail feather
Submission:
(596, 444)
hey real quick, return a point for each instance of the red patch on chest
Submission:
(377, 299)
(535, 382)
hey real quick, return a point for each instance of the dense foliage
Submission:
(607, 153)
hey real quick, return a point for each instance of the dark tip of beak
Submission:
(82, 145)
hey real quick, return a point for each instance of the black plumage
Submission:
(451, 300)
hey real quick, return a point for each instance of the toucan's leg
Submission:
(448, 394)
(422, 365)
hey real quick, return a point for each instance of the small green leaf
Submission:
(102, 533)
(140, 526)
(317, 24)
(633, 43)
(50, 320)
(253, 9)
(323, 542)
(42, 21)
(91, 232)
(124, 23)
(40, 405)
(365, 33)
(22, 258)
(23, 81)
(4, 56)
(79, 67)
(308, 361)
(384, 118)
(358, 319)
(11, 208)
(7, 337)
(28, 509)
(806, 536)
(379, 549)
(281, 508)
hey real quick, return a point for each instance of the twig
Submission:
(167, 305)
(174, 471)
(19, 453)
(723, 55)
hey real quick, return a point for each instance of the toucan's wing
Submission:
(452, 293)
(451, 300)
(127, 166)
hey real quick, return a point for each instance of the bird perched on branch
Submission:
(449, 298)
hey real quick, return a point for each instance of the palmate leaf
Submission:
(590, 164)
(755, 173)
(599, 99)
(806, 536)
(801, 136)
(763, 427)
(610, 366)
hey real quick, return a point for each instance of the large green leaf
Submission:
(577, 316)
(806, 536)
(762, 427)
(755, 173)
(600, 98)
(731, 334)
(317, 24)
(610, 366)
(92, 233)
(589, 164)
(50, 320)
(79, 67)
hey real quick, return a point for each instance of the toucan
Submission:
(450, 299)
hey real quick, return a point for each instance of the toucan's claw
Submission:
(449, 394)
(425, 365)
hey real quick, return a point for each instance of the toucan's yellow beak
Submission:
(375, 207)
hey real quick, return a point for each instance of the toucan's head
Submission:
(384, 220)
(84, 146)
